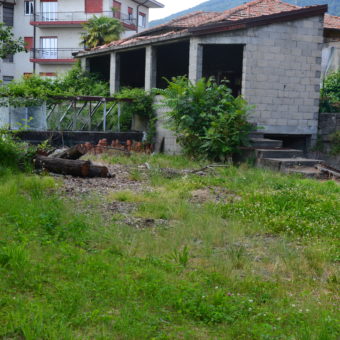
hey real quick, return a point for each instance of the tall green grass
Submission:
(209, 272)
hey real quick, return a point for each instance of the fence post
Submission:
(104, 116)
(119, 113)
(9, 117)
(26, 118)
(90, 111)
(74, 115)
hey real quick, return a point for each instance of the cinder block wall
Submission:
(163, 135)
(329, 123)
(281, 73)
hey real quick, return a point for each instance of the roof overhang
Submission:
(135, 45)
(149, 3)
(259, 21)
(217, 28)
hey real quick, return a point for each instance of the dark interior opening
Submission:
(224, 62)
(100, 66)
(132, 68)
(299, 142)
(172, 61)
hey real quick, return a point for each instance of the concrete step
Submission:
(255, 134)
(265, 143)
(281, 164)
(278, 153)
(309, 172)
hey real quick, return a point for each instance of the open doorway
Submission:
(100, 66)
(172, 61)
(224, 62)
(132, 68)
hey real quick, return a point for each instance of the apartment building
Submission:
(52, 30)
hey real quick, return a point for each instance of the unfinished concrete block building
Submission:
(270, 51)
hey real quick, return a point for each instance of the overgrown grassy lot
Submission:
(238, 253)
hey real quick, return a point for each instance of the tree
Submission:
(330, 93)
(8, 44)
(100, 31)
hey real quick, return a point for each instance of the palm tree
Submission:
(100, 31)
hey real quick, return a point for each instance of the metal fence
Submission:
(85, 113)
(82, 113)
(16, 118)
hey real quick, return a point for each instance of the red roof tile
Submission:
(332, 22)
(253, 9)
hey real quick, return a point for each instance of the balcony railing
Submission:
(53, 53)
(80, 17)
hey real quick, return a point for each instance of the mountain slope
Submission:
(222, 5)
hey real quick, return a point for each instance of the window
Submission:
(49, 10)
(141, 19)
(8, 59)
(117, 6)
(130, 14)
(8, 14)
(6, 80)
(28, 43)
(29, 7)
(49, 48)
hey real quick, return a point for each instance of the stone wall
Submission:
(165, 139)
(281, 73)
(329, 123)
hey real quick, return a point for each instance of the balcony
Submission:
(53, 56)
(77, 19)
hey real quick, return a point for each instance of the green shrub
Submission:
(330, 93)
(34, 90)
(141, 105)
(208, 121)
(12, 153)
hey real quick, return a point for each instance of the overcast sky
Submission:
(172, 6)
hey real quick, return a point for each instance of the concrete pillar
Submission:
(195, 60)
(150, 68)
(114, 73)
(85, 64)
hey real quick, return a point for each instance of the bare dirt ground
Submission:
(93, 193)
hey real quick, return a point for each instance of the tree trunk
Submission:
(73, 153)
(75, 168)
(63, 166)
(99, 171)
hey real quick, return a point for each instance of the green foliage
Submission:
(81, 83)
(30, 91)
(181, 257)
(13, 153)
(8, 44)
(208, 121)
(100, 31)
(330, 93)
(141, 105)
(71, 270)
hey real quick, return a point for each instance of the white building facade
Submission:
(52, 30)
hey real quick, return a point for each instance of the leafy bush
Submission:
(30, 91)
(208, 121)
(330, 93)
(13, 153)
(141, 105)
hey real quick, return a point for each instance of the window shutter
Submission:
(93, 6)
